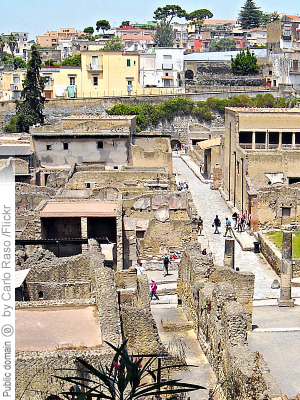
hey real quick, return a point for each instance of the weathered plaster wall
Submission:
(81, 150)
(157, 155)
(287, 161)
(271, 200)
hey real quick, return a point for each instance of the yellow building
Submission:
(62, 82)
(110, 73)
(102, 73)
(11, 84)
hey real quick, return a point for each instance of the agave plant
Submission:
(126, 379)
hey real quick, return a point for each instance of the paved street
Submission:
(277, 334)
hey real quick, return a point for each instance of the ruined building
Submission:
(261, 163)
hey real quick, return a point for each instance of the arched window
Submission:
(189, 74)
(41, 295)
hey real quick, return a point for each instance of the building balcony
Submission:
(94, 68)
(267, 147)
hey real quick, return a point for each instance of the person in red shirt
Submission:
(153, 290)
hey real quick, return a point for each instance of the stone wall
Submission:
(106, 296)
(218, 73)
(57, 278)
(220, 322)
(27, 198)
(271, 200)
(154, 158)
(273, 255)
(138, 325)
(166, 219)
(57, 109)
(35, 371)
(127, 181)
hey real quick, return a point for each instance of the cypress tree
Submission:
(30, 110)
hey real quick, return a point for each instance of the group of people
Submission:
(240, 222)
(217, 225)
(182, 186)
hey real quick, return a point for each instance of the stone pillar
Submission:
(285, 299)
(83, 220)
(293, 140)
(229, 253)
(280, 140)
(253, 140)
(267, 140)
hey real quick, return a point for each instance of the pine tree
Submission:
(250, 15)
(244, 63)
(30, 110)
(164, 35)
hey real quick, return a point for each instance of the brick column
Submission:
(229, 253)
(285, 299)
(254, 214)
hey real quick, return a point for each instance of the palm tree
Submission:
(12, 44)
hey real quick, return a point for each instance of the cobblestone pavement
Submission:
(276, 330)
(210, 203)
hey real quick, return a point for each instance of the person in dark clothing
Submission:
(166, 264)
(217, 224)
(234, 219)
(200, 226)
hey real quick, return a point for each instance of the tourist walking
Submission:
(153, 290)
(234, 219)
(216, 224)
(166, 264)
(200, 226)
(228, 228)
(243, 218)
(239, 224)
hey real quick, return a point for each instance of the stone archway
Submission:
(174, 143)
(189, 74)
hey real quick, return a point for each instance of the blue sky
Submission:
(38, 16)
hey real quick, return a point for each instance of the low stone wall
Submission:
(56, 278)
(35, 371)
(106, 296)
(140, 330)
(220, 322)
(138, 325)
(54, 303)
(273, 255)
